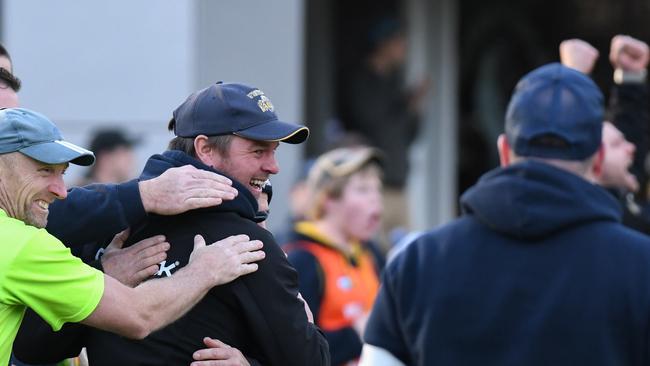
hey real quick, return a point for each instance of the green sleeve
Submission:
(46, 277)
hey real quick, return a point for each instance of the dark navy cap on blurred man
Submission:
(556, 112)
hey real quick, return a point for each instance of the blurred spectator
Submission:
(629, 112)
(115, 160)
(9, 84)
(337, 265)
(376, 105)
(5, 59)
(538, 270)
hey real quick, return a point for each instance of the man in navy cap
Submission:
(38, 272)
(231, 129)
(539, 269)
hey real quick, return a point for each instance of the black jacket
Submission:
(259, 314)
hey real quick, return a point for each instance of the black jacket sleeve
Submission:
(95, 211)
(268, 298)
(37, 343)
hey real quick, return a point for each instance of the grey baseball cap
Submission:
(34, 135)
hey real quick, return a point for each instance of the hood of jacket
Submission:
(244, 204)
(532, 199)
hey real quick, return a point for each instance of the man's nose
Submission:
(57, 188)
(271, 165)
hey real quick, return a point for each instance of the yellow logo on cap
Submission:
(265, 104)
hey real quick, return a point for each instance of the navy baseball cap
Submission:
(560, 103)
(233, 108)
(34, 135)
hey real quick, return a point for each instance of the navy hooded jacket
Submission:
(538, 271)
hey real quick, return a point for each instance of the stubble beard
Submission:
(39, 221)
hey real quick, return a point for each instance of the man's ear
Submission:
(504, 150)
(597, 167)
(203, 149)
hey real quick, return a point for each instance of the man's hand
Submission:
(226, 259)
(578, 54)
(184, 188)
(218, 354)
(136, 263)
(628, 54)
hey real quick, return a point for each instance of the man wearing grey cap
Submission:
(539, 269)
(38, 272)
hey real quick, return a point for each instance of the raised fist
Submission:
(629, 54)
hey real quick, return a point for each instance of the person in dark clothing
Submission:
(337, 264)
(261, 316)
(539, 269)
(376, 106)
(626, 139)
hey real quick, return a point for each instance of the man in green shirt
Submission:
(37, 271)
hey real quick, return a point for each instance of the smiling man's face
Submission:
(250, 162)
(28, 187)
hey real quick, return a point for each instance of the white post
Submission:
(433, 51)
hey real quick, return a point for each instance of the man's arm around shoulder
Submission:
(136, 312)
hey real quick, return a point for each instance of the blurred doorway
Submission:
(335, 45)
